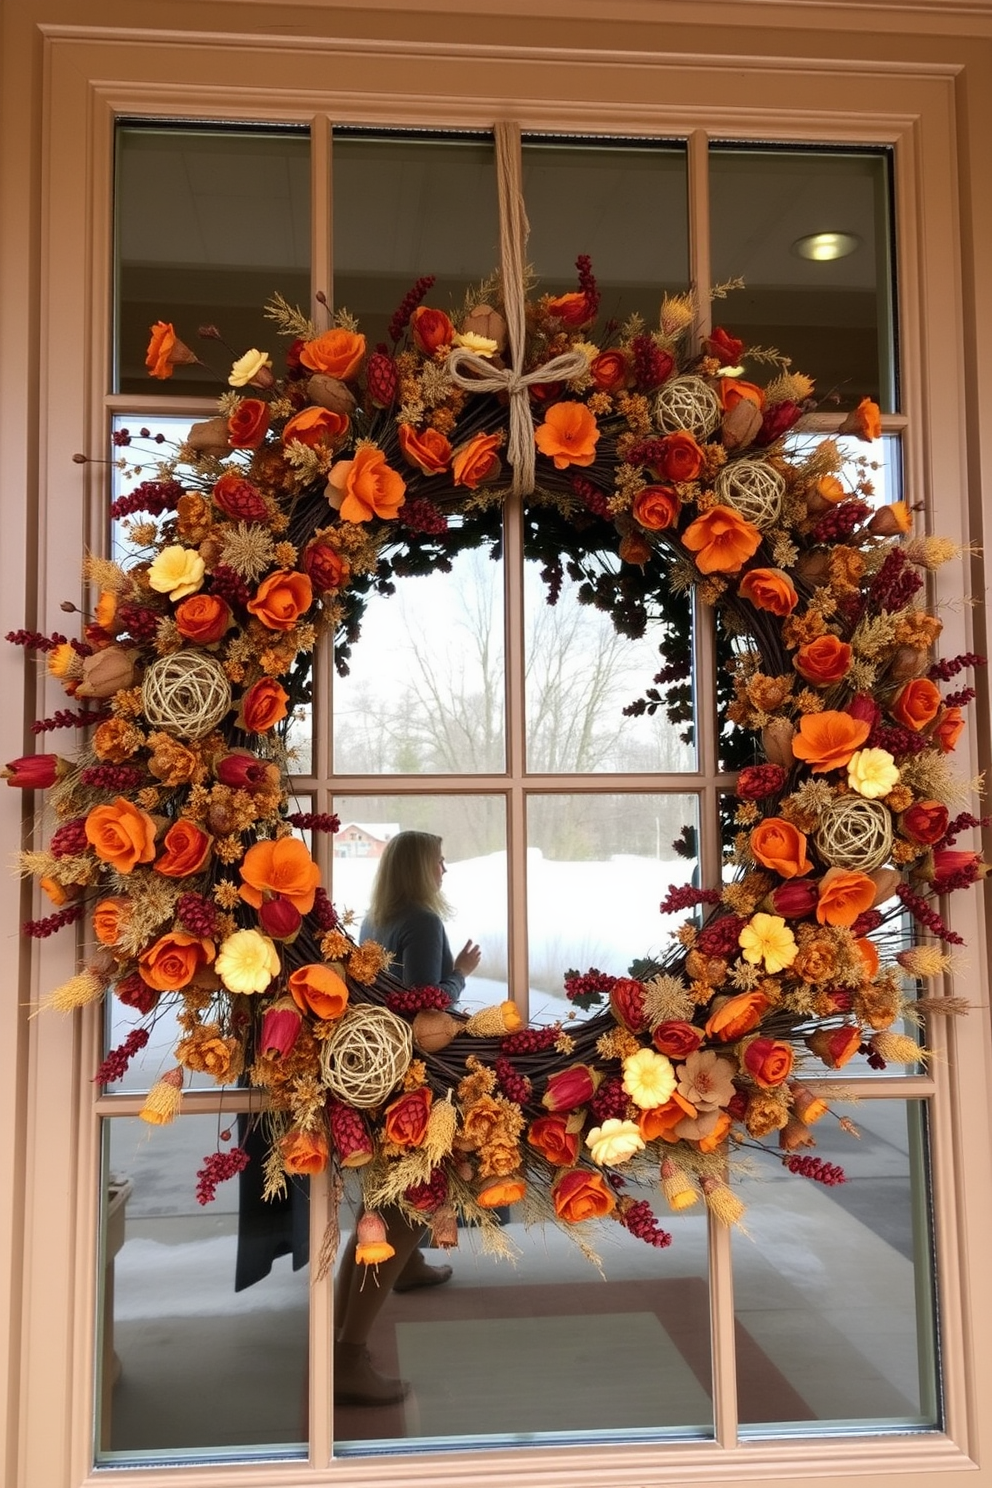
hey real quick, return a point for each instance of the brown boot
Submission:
(358, 1382)
(417, 1273)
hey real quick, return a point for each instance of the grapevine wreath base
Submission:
(649, 464)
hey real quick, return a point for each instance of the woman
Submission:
(406, 916)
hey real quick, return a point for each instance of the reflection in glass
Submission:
(580, 675)
(188, 1366)
(209, 222)
(597, 868)
(404, 206)
(473, 833)
(546, 1349)
(426, 686)
(625, 204)
(832, 316)
(833, 1285)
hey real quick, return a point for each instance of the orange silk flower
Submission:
(187, 849)
(283, 866)
(569, 435)
(338, 353)
(721, 540)
(501, 1191)
(303, 1152)
(769, 589)
(315, 426)
(656, 507)
(173, 961)
(778, 845)
(476, 460)
(368, 485)
(917, 704)
(281, 599)
(121, 834)
(844, 894)
(429, 451)
(735, 1016)
(319, 990)
(824, 660)
(827, 740)
(580, 1195)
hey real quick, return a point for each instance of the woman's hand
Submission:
(468, 958)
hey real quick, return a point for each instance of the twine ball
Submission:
(366, 1056)
(854, 833)
(687, 403)
(186, 694)
(754, 489)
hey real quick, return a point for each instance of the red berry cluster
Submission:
(926, 916)
(118, 778)
(531, 1040)
(817, 1169)
(115, 1065)
(652, 365)
(69, 840)
(514, 1085)
(198, 915)
(610, 1101)
(323, 914)
(895, 583)
(226, 584)
(837, 524)
(33, 640)
(943, 671)
(137, 621)
(66, 718)
(592, 498)
(639, 1218)
(430, 1195)
(592, 983)
(416, 999)
(867, 922)
(409, 303)
(419, 514)
(217, 1168)
(42, 929)
(721, 937)
(314, 821)
(154, 497)
(685, 896)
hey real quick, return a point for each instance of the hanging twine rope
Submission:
(478, 374)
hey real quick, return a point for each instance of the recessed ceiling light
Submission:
(823, 246)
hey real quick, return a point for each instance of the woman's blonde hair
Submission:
(407, 876)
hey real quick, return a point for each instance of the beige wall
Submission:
(924, 72)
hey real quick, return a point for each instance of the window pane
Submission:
(580, 675)
(597, 868)
(404, 207)
(209, 223)
(473, 833)
(545, 1349)
(833, 1284)
(832, 315)
(426, 688)
(623, 204)
(190, 1365)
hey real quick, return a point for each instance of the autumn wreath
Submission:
(650, 464)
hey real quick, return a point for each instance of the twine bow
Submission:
(477, 374)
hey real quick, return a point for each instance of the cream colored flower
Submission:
(481, 346)
(768, 938)
(706, 1080)
(648, 1078)
(614, 1142)
(247, 961)
(177, 571)
(872, 773)
(248, 367)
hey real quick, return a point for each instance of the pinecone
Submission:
(382, 379)
(349, 1135)
(197, 915)
(610, 1101)
(720, 937)
(69, 840)
(238, 498)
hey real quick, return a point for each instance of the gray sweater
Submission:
(419, 944)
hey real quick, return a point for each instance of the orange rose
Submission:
(834, 1046)
(476, 460)
(827, 740)
(580, 1195)
(610, 371)
(656, 507)
(337, 352)
(109, 919)
(263, 706)
(187, 849)
(405, 1120)
(121, 834)
(679, 457)
(430, 329)
(769, 589)
(732, 1017)
(325, 567)
(768, 1061)
(828, 491)
(868, 951)
(824, 660)
(173, 961)
(281, 599)
(429, 451)
(721, 540)
(865, 421)
(202, 618)
(568, 436)
(949, 728)
(367, 486)
(734, 390)
(572, 309)
(844, 894)
(315, 426)
(917, 704)
(778, 845)
(550, 1136)
(280, 866)
(248, 425)
(500, 1192)
(304, 1152)
(661, 1121)
(319, 990)
(165, 351)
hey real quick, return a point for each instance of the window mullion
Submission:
(516, 754)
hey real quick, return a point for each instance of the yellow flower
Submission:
(249, 366)
(247, 961)
(177, 571)
(482, 346)
(768, 938)
(615, 1141)
(648, 1078)
(872, 773)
